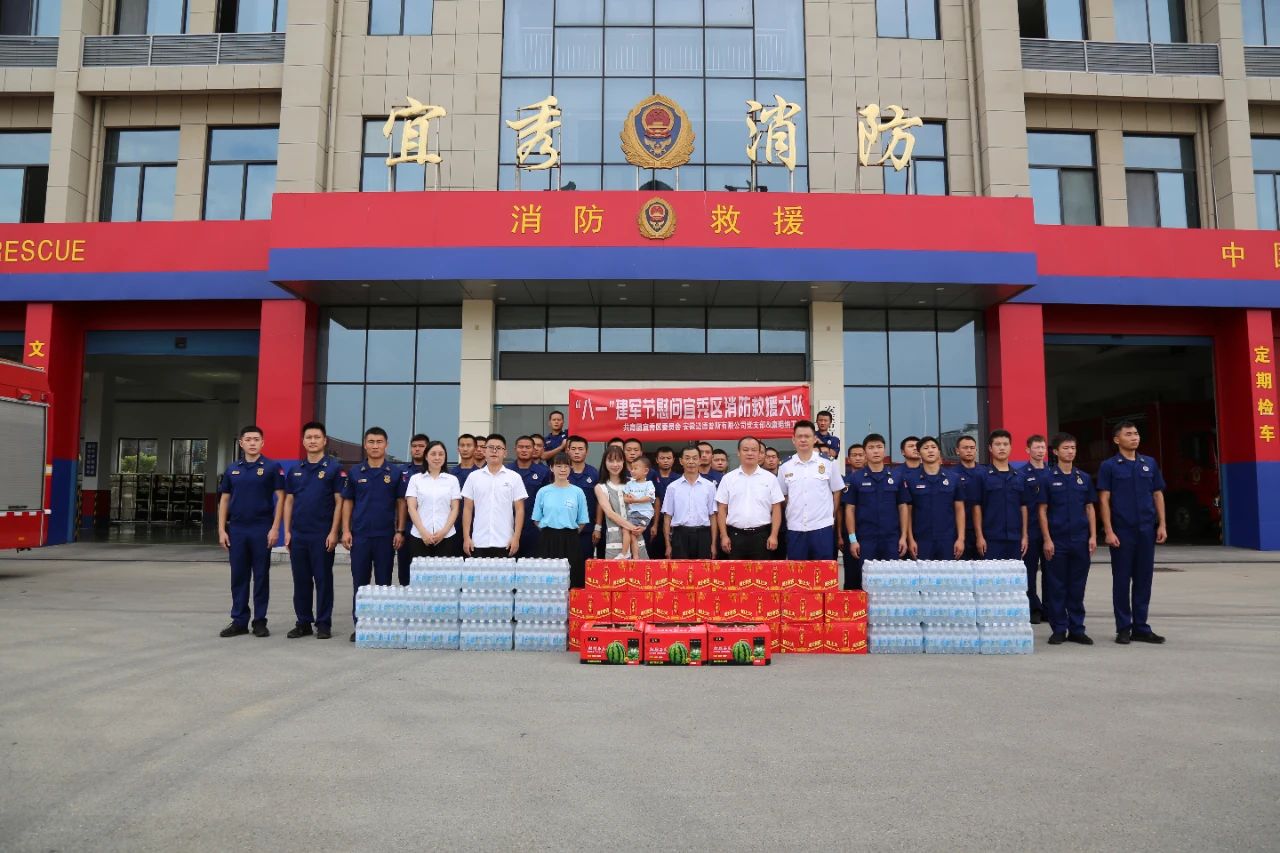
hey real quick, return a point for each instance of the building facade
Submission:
(201, 232)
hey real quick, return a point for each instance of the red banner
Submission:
(674, 414)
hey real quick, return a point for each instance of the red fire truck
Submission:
(24, 455)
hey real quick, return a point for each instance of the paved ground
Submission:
(126, 724)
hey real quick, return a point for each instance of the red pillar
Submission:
(1015, 371)
(54, 341)
(1249, 428)
(286, 374)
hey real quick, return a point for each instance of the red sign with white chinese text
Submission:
(673, 414)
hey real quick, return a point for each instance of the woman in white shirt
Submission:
(433, 497)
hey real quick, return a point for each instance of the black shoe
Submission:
(322, 633)
(1081, 638)
(234, 630)
(1057, 639)
(260, 628)
(1035, 617)
(353, 636)
(1123, 637)
(299, 631)
(1148, 637)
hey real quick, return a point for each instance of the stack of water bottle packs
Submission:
(485, 604)
(947, 607)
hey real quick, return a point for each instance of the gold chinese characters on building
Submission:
(536, 147)
(872, 126)
(415, 137)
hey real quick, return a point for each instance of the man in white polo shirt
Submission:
(493, 505)
(748, 507)
(812, 484)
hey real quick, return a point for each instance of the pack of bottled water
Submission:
(541, 605)
(429, 634)
(541, 573)
(541, 636)
(487, 636)
(1006, 638)
(948, 608)
(436, 572)
(489, 573)
(484, 605)
(895, 608)
(995, 607)
(895, 638)
(379, 632)
(951, 638)
(992, 577)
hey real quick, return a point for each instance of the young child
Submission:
(639, 494)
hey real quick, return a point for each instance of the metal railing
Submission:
(189, 49)
(1111, 57)
(28, 51)
(1261, 60)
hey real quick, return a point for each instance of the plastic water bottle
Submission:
(484, 636)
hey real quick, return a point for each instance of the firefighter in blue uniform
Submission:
(967, 451)
(1068, 524)
(554, 441)
(1131, 490)
(1004, 500)
(1037, 454)
(417, 462)
(369, 515)
(585, 477)
(662, 474)
(312, 519)
(875, 512)
(249, 510)
(936, 496)
(535, 475)
(825, 442)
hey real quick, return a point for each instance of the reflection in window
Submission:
(601, 58)
(30, 17)
(400, 17)
(1151, 21)
(138, 17)
(251, 16)
(139, 175)
(915, 19)
(1064, 181)
(1266, 173)
(240, 177)
(1160, 175)
(1054, 19)
(374, 171)
(926, 174)
(1261, 21)
(24, 175)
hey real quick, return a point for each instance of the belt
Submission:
(733, 529)
(691, 526)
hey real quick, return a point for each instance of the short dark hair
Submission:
(927, 439)
(801, 424)
(497, 436)
(1034, 437)
(631, 440)
(774, 449)
(578, 440)
(853, 447)
(560, 458)
(555, 412)
(617, 439)
(421, 436)
(665, 449)
(719, 452)
(999, 433)
(248, 429)
(378, 431)
(873, 436)
(967, 438)
(520, 438)
(642, 460)
(702, 444)
(1060, 439)
(313, 425)
(758, 442)
(689, 447)
(481, 439)
(466, 435)
(535, 438)
(902, 445)
(1120, 427)
(824, 414)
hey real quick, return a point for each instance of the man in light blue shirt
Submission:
(689, 512)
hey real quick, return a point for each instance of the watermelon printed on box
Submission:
(618, 643)
(741, 643)
(675, 643)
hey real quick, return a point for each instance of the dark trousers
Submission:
(1065, 577)
(874, 548)
(403, 558)
(372, 558)
(529, 535)
(490, 552)
(970, 545)
(557, 543)
(748, 544)
(1036, 564)
(312, 566)
(450, 546)
(691, 543)
(584, 542)
(811, 544)
(250, 558)
(852, 568)
(1133, 566)
(1003, 550)
(936, 549)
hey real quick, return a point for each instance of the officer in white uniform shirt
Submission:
(812, 485)
(493, 506)
(749, 507)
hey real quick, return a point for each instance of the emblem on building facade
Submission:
(657, 135)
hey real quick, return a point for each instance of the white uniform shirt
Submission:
(434, 495)
(493, 520)
(749, 497)
(809, 487)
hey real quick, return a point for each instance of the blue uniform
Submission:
(830, 441)
(1034, 559)
(969, 489)
(373, 493)
(313, 486)
(1067, 497)
(933, 499)
(875, 498)
(554, 440)
(535, 477)
(712, 475)
(587, 481)
(252, 487)
(1002, 495)
(463, 473)
(404, 558)
(1132, 485)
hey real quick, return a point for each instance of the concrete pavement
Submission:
(127, 724)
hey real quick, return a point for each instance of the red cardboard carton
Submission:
(611, 643)
(803, 637)
(586, 604)
(769, 574)
(606, 574)
(689, 574)
(575, 632)
(632, 605)
(675, 643)
(733, 574)
(819, 575)
(645, 574)
(848, 637)
(775, 636)
(801, 605)
(845, 605)
(758, 605)
(675, 605)
(743, 643)
(717, 605)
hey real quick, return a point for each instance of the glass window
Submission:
(677, 13)
(400, 17)
(679, 330)
(784, 330)
(342, 345)
(391, 407)
(439, 344)
(679, 54)
(866, 410)
(251, 16)
(626, 330)
(137, 17)
(1266, 171)
(732, 330)
(241, 173)
(392, 338)
(435, 412)
(573, 329)
(30, 17)
(342, 411)
(1151, 21)
(526, 38)
(1055, 19)
(522, 329)
(917, 19)
(374, 171)
(961, 348)
(139, 175)
(912, 411)
(866, 347)
(628, 12)
(913, 354)
(779, 31)
(1160, 175)
(727, 13)
(24, 175)
(926, 174)
(1261, 22)
(961, 416)
(1063, 178)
